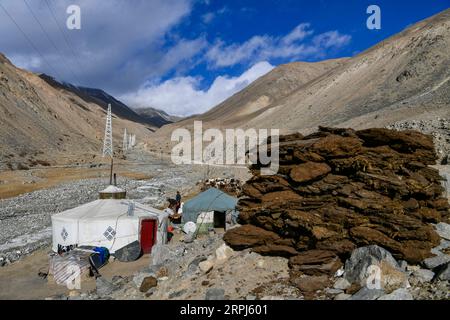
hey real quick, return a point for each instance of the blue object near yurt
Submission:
(103, 254)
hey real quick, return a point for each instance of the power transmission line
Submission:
(30, 42)
(49, 38)
(66, 40)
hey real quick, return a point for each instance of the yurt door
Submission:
(148, 235)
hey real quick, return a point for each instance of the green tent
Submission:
(210, 200)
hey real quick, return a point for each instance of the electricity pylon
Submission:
(125, 140)
(107, 142)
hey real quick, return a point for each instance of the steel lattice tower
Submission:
(108, 143)
(125, 140)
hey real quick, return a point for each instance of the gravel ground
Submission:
(25, 221)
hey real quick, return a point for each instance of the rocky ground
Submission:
(207, 269)
(25, 221)
(438, 128)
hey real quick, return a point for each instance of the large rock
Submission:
(443, 230)
(423, 275)
(367, 294)
(160, 254)
(436, 261)
(130, 252)
(399, 294)
(444, 272)
(374, 267)
(215, 294)
(148, 283)
(342, 284)
(223, 253)
(206, 266)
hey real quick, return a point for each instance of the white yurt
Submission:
(109, 223)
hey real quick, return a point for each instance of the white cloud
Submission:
(264, 47)
(114, 35)
(299, 33)
(181, 96)
(208, 17)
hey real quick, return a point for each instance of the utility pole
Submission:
(108, 143)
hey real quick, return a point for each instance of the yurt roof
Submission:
(112, 189)
(107, 209)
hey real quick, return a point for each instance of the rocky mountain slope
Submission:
(156, 119)
(47, 124)
(405, 77)
(155, 116)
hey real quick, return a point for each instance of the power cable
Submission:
(49, 38)
(30, 42)
(66, 40)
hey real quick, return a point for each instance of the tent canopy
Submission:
(210, 200)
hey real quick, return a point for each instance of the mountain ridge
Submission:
(406, 76)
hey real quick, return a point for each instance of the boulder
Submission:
(342, 284)
(436, 261)
(215, 294)
(130, 252)
(444, 272)
(160, 254)
(139, 277)
(399, 294)
(375, 267)
(223, 253)
(443, 246)
(342, 296)
(423, 275)
(367, 294)
(148, 283)
(206, 266)
(443, 230)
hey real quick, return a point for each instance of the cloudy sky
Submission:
(186, 56)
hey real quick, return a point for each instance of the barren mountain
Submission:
(156, 116)
(42, 123)
(405, 77)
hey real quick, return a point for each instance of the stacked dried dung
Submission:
(339, 189)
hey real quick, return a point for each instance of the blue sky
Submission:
(186, 56)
